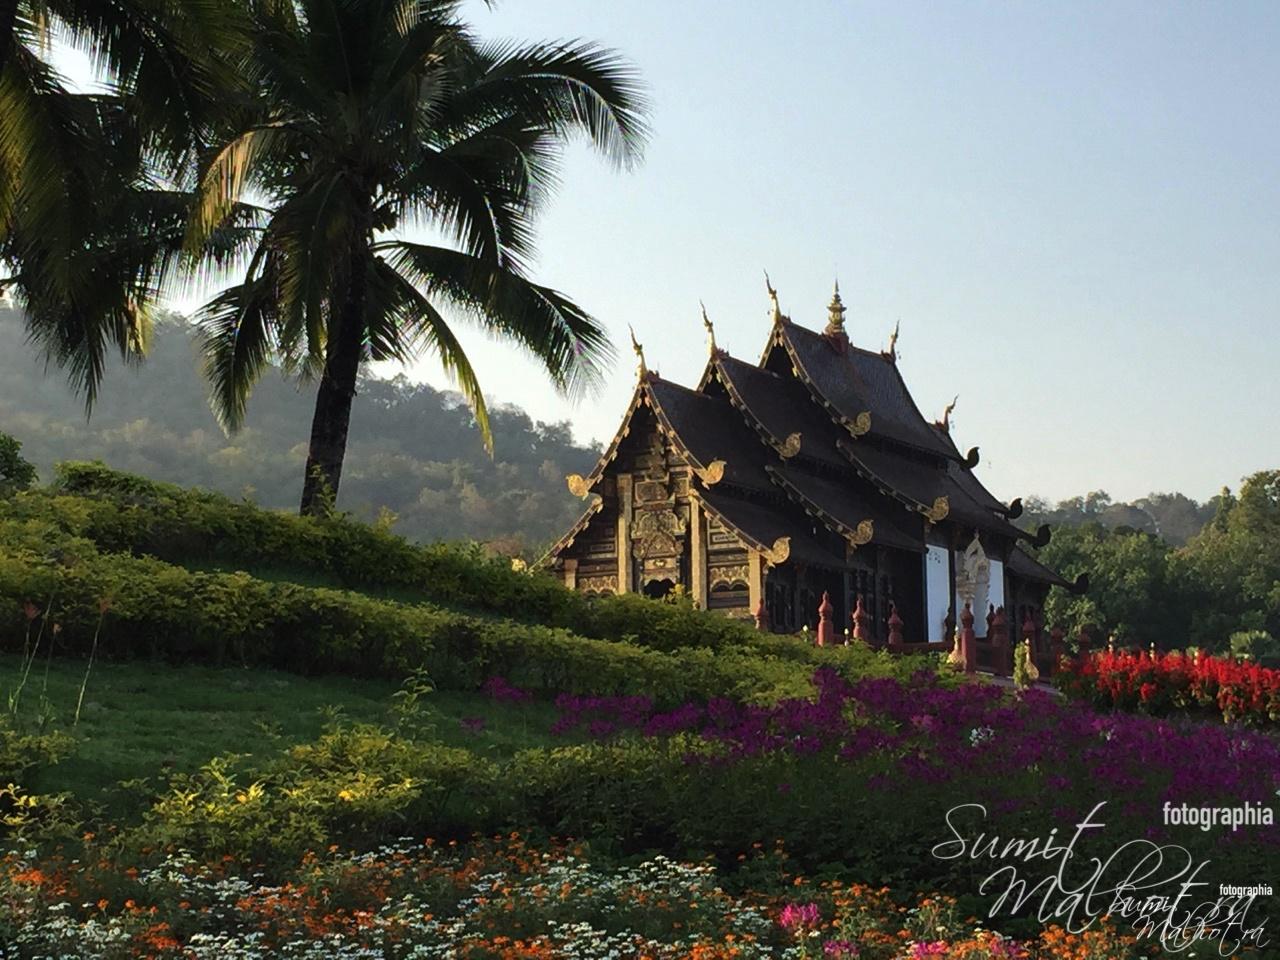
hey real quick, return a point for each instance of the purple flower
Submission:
(840, 948)
(797, 916)
(502, 690)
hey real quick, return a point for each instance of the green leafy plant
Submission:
(15, 472)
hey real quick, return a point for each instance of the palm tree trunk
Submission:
(337, 390)
(8, 20)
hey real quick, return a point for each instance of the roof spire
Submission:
(893, 341)
(835, 314)
(641, 370)
(773, 297)
(945, 422)
(711, 331)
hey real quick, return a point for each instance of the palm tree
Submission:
(90, 222)
(373, 116)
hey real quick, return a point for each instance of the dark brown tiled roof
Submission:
(919, 479)
(856, 381)
(765, 524)
(898, 470)
(840, 505)
(780, 407)
(965, 478)
(710, 428)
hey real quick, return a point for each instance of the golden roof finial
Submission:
(835, 312)
(946, 414)
(641, 369)
(711, 331)
(893, 341)
(773, 297)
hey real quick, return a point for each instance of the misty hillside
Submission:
(414, 449)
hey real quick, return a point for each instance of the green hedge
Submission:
(128, 513)
(160, 610)
(124, 513)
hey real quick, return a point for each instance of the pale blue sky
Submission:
(1073, 210)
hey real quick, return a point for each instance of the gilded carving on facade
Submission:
(863, 533)
(779, 552)
(713, 473)
(859, 425)
(728, 576)
(656, 533)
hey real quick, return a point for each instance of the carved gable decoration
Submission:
(650, 491)
(657, 533)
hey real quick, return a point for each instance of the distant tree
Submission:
(1173, 517)
(15, 472)
(370, 116)
(1234, 564)
(1132, 592)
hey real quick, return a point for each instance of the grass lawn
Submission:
(150, 720)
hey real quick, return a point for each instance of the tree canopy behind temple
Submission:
(415, 449)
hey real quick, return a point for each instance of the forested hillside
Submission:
(414, 449)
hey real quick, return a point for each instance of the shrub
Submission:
(162, 611)
(858, 781)
(20, 751)
(15, 472)
(123, 513)
(355, 786)
(1254, 644)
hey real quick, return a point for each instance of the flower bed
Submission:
(1166, 683)
(868, 774)
(491, 900)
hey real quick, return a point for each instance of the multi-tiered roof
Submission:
(820, 437)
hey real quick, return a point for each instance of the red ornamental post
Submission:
(991, 616)
(895, 629)
(1084, 641)
(762, 616)
(862, 623)
(999, 637)
(968, 641)
(826, 629)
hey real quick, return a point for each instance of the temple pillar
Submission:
(625, 579)
(755, 579)
(571, 574)
(698, 554)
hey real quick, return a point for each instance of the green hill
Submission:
(414, 449)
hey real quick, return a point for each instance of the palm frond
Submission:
(569, 88)
(571, 345)
(237, 338)
(408, 323)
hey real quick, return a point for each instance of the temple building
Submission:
(810, 472)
